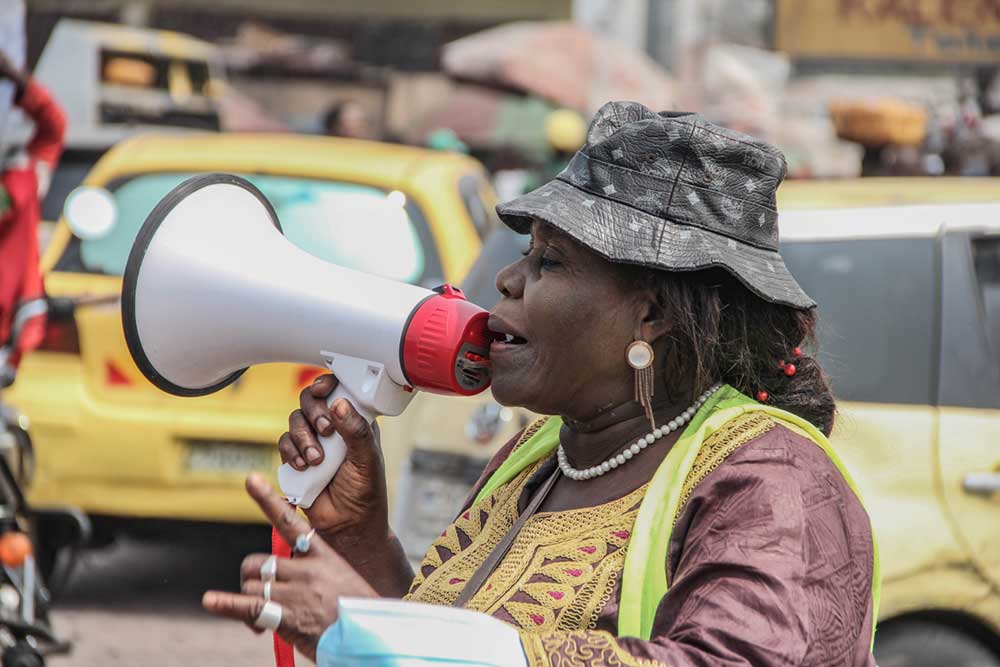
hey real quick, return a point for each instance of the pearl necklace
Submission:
(639, 445)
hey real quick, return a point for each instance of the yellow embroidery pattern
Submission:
(579, 555)
(559, 573)
(580, 648)
(718, 446)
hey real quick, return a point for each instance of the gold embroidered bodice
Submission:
(563, 567)
(559, 573)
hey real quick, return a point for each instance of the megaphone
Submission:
(212, 287)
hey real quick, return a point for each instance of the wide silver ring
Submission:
(267, 591)
(269, 617)
(269, 569)
(302, 542)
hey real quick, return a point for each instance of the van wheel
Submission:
(925, 644)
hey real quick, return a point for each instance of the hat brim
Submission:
(621, 233)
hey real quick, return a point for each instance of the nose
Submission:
(510, 281)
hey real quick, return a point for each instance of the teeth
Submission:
(509, 338)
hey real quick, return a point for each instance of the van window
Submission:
(357, 226)
(877, 299)
(134, 85)
(483, 217)
(986, 258)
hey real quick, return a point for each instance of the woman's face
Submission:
(571, 316)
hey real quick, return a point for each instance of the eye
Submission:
(549, 263)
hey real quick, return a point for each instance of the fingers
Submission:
(283, 516)
(279, 590)
(289, 452)
(322, 386)
(287, 568)
(304, 438)
(315, 410)
(238, 607)
(353, 428)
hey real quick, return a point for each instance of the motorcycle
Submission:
(37, 545)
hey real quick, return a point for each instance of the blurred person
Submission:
(347, 119)
(681, 505)
(23, 184)
(565, 132)
(445, 139)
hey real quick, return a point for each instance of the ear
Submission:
(655, 323)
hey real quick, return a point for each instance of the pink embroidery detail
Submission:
(455, 580)
(621, 534)
(466, 516)
(588, 550)
(556, 595)
(538, 620)
(573, 572)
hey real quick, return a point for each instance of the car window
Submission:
(482, 214)
(986, 259)
(877, 301)
(357, 226)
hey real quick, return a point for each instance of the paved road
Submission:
(138, 604)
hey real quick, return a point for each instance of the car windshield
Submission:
(357, 226)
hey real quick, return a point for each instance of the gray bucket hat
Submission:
(670, 191)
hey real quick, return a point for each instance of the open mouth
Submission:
(508, 339)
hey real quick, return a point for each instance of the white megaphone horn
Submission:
(212, 287)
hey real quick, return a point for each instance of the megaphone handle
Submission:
(301, 487)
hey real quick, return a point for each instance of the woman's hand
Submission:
(307, 587)
(354, 506)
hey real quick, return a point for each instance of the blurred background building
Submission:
(805, 75)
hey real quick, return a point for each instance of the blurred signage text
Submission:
(903, 30)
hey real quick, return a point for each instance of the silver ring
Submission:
(269, 570)
(267, 591)
(302, 542)
(269, 617)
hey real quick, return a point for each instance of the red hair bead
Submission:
(781, 363)
(762, 396)
(790, 370)
(797, 351)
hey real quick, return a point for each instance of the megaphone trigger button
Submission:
(449, 291)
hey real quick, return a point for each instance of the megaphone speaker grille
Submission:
(134, 266)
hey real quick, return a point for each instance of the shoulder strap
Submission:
(644, 578)
(479, 577)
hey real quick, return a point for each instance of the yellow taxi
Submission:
(111, 443)
(907, 275)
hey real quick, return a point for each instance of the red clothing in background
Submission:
(22, 315)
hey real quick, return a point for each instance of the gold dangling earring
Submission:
(639, 355)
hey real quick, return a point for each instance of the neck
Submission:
(593, 440)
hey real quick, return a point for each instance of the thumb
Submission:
(354, 429)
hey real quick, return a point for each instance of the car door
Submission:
(969, 394)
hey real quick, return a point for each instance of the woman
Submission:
(662, 516)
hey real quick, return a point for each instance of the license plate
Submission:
(235, 457)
